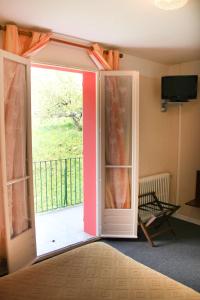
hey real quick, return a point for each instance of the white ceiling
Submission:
(135, 26)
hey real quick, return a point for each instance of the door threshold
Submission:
(64, 249)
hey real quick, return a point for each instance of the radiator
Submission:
(158, 183)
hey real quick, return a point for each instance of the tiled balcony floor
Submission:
(59, 228)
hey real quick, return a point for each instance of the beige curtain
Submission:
(25, 44)
(15, 126)
(15, 137)
(117, 129)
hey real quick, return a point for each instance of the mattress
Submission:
(92, 272)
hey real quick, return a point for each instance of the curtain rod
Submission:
(3, 27)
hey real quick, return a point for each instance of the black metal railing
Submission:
(57, 183)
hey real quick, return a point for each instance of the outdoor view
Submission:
(57, 158)
(57, 138)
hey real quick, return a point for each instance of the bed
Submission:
(92, 272)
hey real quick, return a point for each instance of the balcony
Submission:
(59, 228)
(57, 183)
(58, 199)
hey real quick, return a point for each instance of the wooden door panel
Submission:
(16, 160)
(119, 102)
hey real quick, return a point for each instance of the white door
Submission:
(119, 142)
(16, 160)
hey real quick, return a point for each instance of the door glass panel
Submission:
(118, 188)
(19, 211)
(15, 120)
(118, 120)
(15, 94)
(118, 141)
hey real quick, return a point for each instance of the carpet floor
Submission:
(177, 258)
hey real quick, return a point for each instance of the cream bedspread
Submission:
(92, 272)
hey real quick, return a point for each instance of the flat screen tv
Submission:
(179, 88)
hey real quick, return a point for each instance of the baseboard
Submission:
(187, 219)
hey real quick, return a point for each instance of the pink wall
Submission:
(89, 151)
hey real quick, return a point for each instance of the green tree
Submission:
(60, 96)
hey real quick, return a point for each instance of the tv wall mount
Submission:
(164, 104)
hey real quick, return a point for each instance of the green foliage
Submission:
(57, 135)
(56, 141)
(57, 95)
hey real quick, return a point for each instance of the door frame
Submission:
(135, 150)
(52, 66)
(29, 233)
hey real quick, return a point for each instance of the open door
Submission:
(119, 109)
(16, 160)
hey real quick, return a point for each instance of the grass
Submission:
(57, 139)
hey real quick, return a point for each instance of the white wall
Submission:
(150, 72)
(159, 132)
(73, 57)
(189, 143)
(161, 150)
(145, 67)
(68, 56)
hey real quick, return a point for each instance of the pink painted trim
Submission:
(57, 68)
(89, 151)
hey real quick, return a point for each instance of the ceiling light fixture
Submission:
(170, 4)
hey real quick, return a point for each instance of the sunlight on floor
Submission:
(59, 228)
